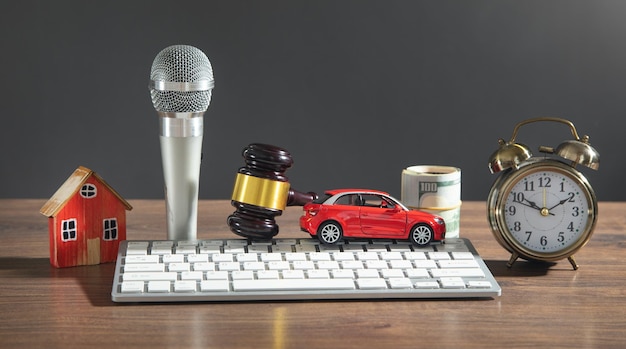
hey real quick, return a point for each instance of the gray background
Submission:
(355, 90)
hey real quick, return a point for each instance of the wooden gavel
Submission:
(262, 191)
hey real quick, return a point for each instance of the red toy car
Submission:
(366, 213)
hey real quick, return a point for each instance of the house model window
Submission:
(110, 229)
(88, 191)
(68, 230)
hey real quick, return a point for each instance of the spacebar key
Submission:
(293, 284)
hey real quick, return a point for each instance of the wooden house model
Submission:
(86, 221)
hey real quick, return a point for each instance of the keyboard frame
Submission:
(451, 245)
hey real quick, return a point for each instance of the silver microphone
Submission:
(181, 84)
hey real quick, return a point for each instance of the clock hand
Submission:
(560, 203)
(544, 211)
(532, 204)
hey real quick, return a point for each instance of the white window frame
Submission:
(69, 233)
(89, 191)
(110, 232)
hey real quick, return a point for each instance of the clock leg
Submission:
(573, 262)
(512, 260)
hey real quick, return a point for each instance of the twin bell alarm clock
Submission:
(542, 208)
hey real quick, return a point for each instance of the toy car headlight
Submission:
(440, 221)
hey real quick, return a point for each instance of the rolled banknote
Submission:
(434, 189)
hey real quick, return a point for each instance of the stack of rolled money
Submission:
(434, 189)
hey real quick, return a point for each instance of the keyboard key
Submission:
(185, 286)
(319, 256)
(214, 286)
(278, 265)
(400, 264)
(242, 275)
(392, 273)
(222, 257)
(388, 256)
(459, 272)
(132, 286)
(271, 257)
(228, 266)
(462, 255)
(137, 248)
(376, 264)
(158, 286)
(185, 249)
(191, 275)
(318, 274)
(144, 267)
(343, 256)
(148, 276)
(327, 265)
(247, 257)
(197, 258)
(414, 256)
(253, 266)
(370, 284)
(367, 256)
(267, 274)
(426, 284)
(478, 284)
(342, 273)
(216, 275)
(204, 266)
(428, 264)
(438, 255)
(352, 264)
(293, 285)
(293, 274)
(173, 258)
(141, 259)
(452, 282)
(293, 256)
(459, 263)
(367, 273)
(178, 267)
(303, 265)
(398, 282)
(417, 273)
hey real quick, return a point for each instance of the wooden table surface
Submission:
(541, 305)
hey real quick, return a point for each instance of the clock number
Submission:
(576, 212)
(544, 240)
(570, 226)
(529, 186)
(517, 226)
(528, 235)
(512, 210)
(561, 237)
(544, 182)
(518, 197)
(571, 197)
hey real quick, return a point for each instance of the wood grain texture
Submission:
(542, 305)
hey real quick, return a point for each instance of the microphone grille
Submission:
(181, 80)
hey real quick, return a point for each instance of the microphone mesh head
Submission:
(181, 64)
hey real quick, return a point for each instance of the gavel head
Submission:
(262, 192)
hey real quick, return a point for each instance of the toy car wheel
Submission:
(329, 233)
(421, 234)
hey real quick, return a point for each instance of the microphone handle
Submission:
(181, 156)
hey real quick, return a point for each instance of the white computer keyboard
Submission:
(283, 269)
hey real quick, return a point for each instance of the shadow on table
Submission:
(95, 280)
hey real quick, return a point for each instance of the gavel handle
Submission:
(297, 198)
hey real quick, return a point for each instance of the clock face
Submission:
(547, 210)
